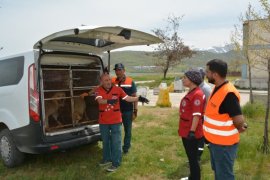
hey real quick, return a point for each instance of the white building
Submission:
(256, 42)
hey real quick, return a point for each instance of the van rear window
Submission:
(11, 71)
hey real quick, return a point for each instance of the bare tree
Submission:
(262, 52)
(172, 51)
(240, 39)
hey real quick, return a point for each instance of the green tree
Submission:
(173, 50)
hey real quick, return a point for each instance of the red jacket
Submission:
(192, 104)
(110, 114)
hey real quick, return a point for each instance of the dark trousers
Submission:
(127, 122)
(191, 148)
(201, 144)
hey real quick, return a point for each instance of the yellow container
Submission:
(164, 98)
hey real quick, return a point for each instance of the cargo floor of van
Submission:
(61, 102)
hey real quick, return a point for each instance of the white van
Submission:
(40, 107)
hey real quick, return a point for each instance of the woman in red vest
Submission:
(190, 122)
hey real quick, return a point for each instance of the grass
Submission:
(158, 78)
(157, 153)
(254, 110)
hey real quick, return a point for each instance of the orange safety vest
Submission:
(126, 84)
(219, 128)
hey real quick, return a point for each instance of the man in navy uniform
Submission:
(128, 110)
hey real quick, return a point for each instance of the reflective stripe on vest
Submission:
(126, 83)
(219, 128)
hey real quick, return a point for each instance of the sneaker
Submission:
(185, 178)
(105, 163)
(111, 169)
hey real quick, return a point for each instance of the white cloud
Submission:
(206, 38)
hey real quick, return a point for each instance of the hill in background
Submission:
(135, 59)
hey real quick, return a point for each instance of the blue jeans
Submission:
(222, 160)
(127, 122)
(111, 142)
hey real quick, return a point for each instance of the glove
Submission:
(191, 135)
(143, 100)
(134, 116)
(112, 101)
(83, 95)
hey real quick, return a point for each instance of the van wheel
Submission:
(10, 155)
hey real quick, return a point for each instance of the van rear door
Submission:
(95, 40)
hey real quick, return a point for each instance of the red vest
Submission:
(219, 128)
(110, 114)
(191, 105)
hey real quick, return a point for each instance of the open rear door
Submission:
(95, 40)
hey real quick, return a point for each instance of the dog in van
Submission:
(52, 107)
(79, 110)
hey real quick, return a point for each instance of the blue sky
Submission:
(205, 23)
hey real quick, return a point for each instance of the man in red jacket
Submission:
(110, 120)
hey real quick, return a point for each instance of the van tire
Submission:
(10, 154)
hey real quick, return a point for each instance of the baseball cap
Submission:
(119, 66)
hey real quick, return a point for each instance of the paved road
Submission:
(175, 98)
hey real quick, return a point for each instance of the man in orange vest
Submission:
(110, 120)
(223, 120)
(128, 110)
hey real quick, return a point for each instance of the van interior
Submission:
(63, 78)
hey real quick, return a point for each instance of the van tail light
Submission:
(54, 147)
(33, 96)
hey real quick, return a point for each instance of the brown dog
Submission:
(52, 107)
(79, 110)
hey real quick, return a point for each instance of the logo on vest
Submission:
(184, 103)
(109, 107)
(197, 102)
